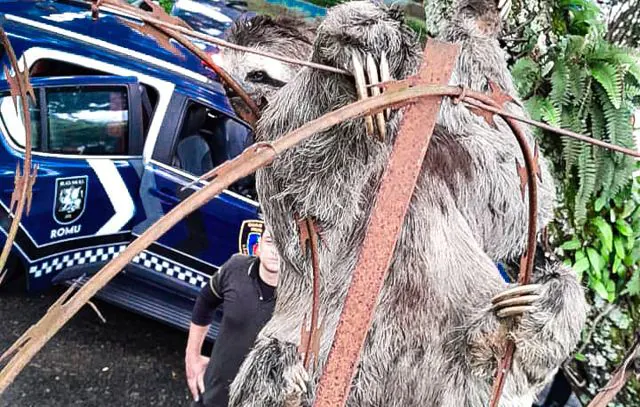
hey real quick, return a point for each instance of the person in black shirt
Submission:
(247, 287)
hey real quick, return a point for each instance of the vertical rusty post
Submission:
(385, 222)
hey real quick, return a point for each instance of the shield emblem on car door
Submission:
(70, 199)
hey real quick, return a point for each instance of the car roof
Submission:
(62, 25)
(211, 17)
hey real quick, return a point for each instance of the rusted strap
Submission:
(387, 217)
(310, 338)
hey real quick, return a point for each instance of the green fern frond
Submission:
(587, 172)
(586, 100)
(571, 149)
(609, 78)
(559, 83)
(598, 121)
(621, 174)
(551, 114)
(628, 61)
(577, 86)
(604, 167)
(534, 106)
(575, 46)
(631, 91)
(607, 174)
(610, 114)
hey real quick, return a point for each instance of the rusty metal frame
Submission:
(256, 156)
(24, 180)
(253, 158)
(397, 94)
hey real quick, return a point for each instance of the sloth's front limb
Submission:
(545, 329)
(546, 336)
(271, 375)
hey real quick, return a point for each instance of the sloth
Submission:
(259, 76)
(444, 315)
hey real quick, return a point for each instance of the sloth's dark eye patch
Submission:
(264, 78)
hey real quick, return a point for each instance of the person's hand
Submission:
(195, 366)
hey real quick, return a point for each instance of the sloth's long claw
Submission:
(510, 302)
(372, 73)
(522, 290)
(385, 76)
(361, 88)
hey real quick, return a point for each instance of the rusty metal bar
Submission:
(527, 260)
(310, 339)
(385, 222)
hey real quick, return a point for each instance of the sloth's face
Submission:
(261, 77)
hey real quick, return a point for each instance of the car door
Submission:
(195, 138)
(87, 144)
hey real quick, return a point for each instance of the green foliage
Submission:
(576, 17)
(591, 89)
(606, 251)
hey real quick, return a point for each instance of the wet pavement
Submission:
(129, 361)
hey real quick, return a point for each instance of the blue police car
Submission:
(120, 127)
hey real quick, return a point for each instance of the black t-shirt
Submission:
(239, 287)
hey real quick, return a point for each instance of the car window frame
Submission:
(135, 143)
(170, 132)
(172, 126)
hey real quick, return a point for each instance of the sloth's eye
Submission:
(257, 76)
(263, 77)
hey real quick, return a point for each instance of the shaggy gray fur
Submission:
(261, 77)
(434, 339)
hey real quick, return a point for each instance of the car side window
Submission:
(90, 120)
(207, 139)
(55, 68)
(87, 120)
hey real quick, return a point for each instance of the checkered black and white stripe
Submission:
(101, 254)
(87, 256)
(169, 268)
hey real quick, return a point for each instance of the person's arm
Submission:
(208, 300)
